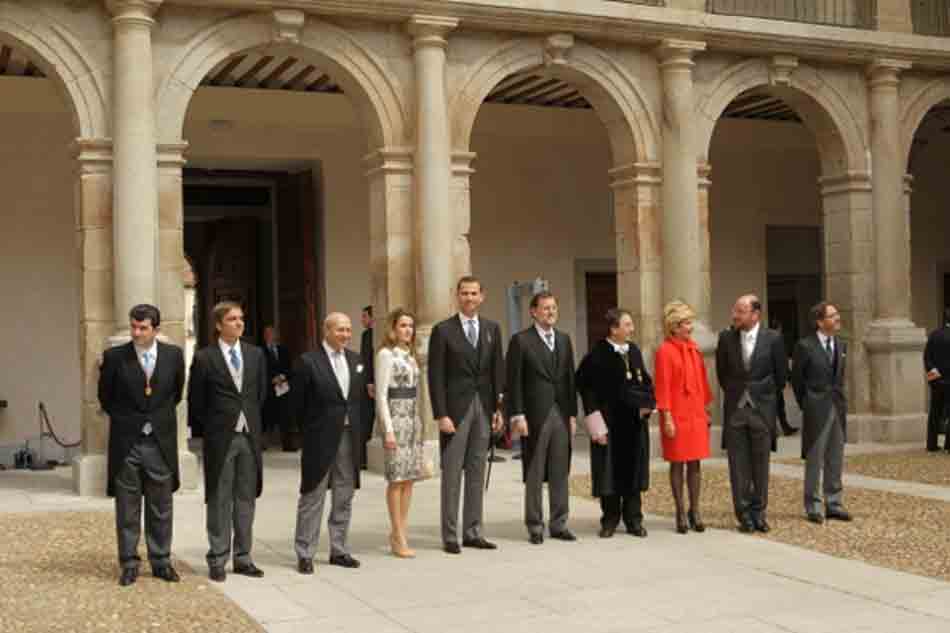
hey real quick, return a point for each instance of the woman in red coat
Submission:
(682, 398)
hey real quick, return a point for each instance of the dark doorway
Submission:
(794, 274)
(601, 296)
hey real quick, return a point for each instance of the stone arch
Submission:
(611, 89)
(841, 140)
(64, 60)
(917, 108)
(371, 87)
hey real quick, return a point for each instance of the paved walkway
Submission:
(719, 581)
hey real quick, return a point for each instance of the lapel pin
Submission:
(359, 369)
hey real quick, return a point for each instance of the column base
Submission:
(898, 387)
(885, 429)
(90, 473)
(375, 452)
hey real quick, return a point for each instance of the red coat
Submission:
(682, 388)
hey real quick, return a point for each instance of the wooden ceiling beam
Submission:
(254, 70)
(276, 74)
(222, 75)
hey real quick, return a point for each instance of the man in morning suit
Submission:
(276, 407)
(367, 354)
(328, 387)
(937, 364)
(542, 405)
(466, 387)
(818, 373)
(227, 387)
(752, 366)
(140, 384)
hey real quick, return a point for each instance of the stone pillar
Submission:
(389, 172)
(171, 267)
(894, 343)
(93, 199)
(135, 218)
(895, 16)
(461, 196)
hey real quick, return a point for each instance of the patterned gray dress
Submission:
(397, 381)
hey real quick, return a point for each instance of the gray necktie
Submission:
(470, 332)
(549, 339)
(747, 350)
(339, 368)
(147, 363)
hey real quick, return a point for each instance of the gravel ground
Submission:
(890, 530)
(915, 465)
(59, 573)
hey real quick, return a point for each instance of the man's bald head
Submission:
(337, 330)
(746, 312)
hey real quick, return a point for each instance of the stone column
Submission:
(93, 199)
(895, 16)
(135, 219)
(461, 196)
(893, 341)
(171, 282)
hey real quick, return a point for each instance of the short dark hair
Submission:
(818, 312)
(614, 315)
(468, 279)
(368, 310)
(755, 304)
(222, 308)
(539, 296)
(146, 312)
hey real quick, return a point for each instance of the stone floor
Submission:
(720, 581)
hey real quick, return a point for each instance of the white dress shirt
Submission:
(823, 339)
(620, 349)
(236, 375)
(748, 341)
(544, 336)
(341, 369)
(153, 359)
(474, 320)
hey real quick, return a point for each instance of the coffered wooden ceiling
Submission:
(16, 64)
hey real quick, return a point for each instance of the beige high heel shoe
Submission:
(399, 548)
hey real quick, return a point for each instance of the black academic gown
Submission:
(622, 467)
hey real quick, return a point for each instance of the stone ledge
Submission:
(890, 429)
(895, 335)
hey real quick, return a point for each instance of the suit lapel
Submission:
(250, 364)
(471, 354)
(351, 362)
(737, 350)
(758, 346)
(544, 352)
(221, 364)
(135, 373)
(323, 360)
(820, 351)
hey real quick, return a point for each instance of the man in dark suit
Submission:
(937, 364)
(140, 384)
(327, 387)
(466, 387)
(542, 403)
(752, 366)
(276, 406)
(369, 402)
(227, 386)
(818, 375)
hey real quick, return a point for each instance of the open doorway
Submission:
(794, 274)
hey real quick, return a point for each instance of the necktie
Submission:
(829, 350)
(338, 368)
(549, 339)
(147, 363)
(235, 360)
(470, 333)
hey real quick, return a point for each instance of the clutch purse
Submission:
(595, 425)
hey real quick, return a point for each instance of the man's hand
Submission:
(497, 422)
(371, 390)
(446, 425)
(600, 439)
(572, 423)
(521, 427)
(646, 412)
(933, 374)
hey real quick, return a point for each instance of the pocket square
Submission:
(359, 369)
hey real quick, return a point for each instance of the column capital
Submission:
(93, 155)
(430, 30)
(678, 53)
(139, 12)
(388, 160)
(885, 72)
(635, 174)
(171, 154)
(462, 163)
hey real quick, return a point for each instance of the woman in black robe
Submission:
(613, 381)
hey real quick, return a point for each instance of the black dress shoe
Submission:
(761, 525)
(606, 532)
(251, 570)
(839, 514)
(167, 573)
(479, 543)
(216, 573)
(637, 529)
(746, 526)
(536, 539)
(128, 577)
(564, 535)
(305, 566)
(451, 548)
(344, 560)
(814, 517)
(788, 430)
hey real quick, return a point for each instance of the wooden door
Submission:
(297, 262)
(601, 297)
(232, 271)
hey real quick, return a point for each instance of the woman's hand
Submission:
(389, 442)
(669, 427)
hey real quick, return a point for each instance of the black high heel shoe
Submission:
(695, 523)
(681, 527)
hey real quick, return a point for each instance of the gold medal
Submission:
(639, 376)
(148, 389)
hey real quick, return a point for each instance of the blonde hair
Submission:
(674, 313)
(389, 336)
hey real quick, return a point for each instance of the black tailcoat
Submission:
(819, 383)
(215, 404)
(537, 380)
(622, 467)
(368, 358)
(321, 408)
(122, 395)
